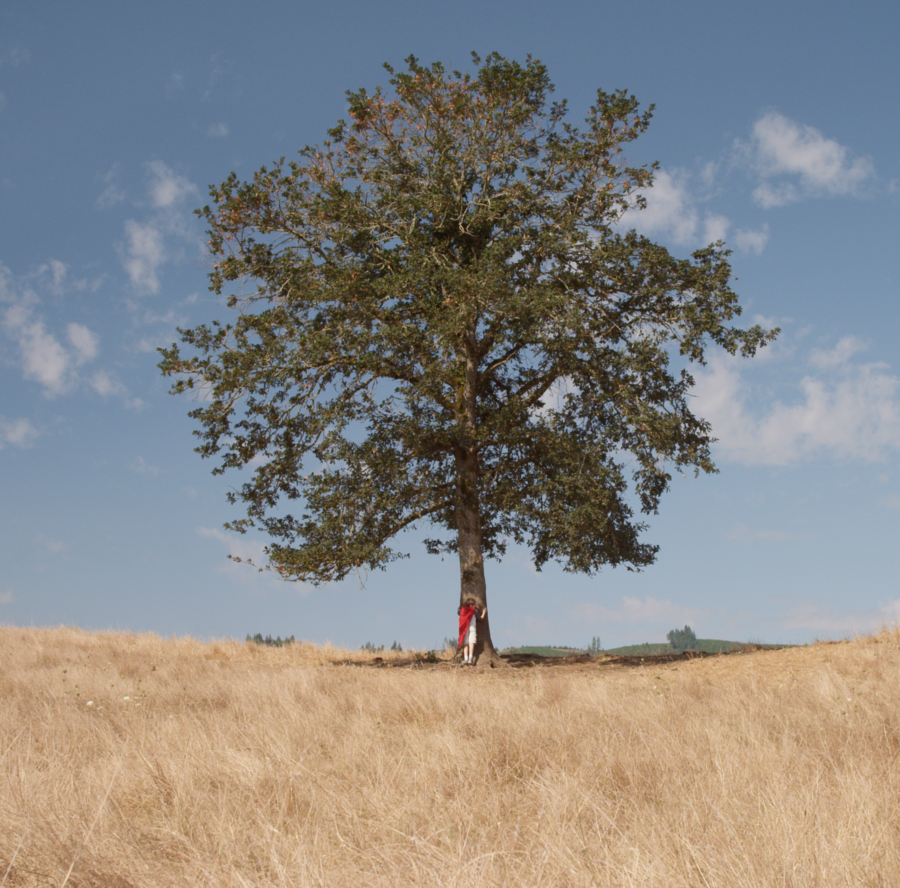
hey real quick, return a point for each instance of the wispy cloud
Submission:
(814, 617)
(174, 83)
(15, 56)
(18, 432)
(166, 186)
(675, 211)
(145, 250)
(650, 610)
(44, 357)
(752, 240)
(83, 341)
(57, 361)
(113, 192)
(108, 386)
(246, 549)
(217, 130)
(54, 547)
(6, 597)
(795, 161)
(144, 254)
(845, 410)
(144, 468)
(671, 209)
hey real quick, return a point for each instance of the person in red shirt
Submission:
(468, 617)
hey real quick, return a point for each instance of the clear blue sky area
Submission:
(776, 128)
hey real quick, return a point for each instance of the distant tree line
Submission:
(368, 646)
(268, 640)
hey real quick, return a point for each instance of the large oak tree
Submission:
(438, 316)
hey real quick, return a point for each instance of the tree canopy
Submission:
(438, 315)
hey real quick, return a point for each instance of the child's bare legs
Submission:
(469, 653)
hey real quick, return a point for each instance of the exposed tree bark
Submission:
(468, 517)
(471, 560)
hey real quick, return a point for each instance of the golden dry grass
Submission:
(134, 761)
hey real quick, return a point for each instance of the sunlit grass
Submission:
(133, 760)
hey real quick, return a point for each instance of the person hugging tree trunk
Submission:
(469, 616)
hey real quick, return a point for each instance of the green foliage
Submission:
(682, 639)
(595, 647)
(436, 318)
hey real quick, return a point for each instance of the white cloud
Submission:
(6, 597)
(246, 549)
(796, 161)
(217, 130)
(752, 241)
(18, 432)
(167, 187)
(673, 212)
(145, 249)
(825, 359)
(715, 228)
(144, 254)
(104, 385)
(44, 357)
(670, 209)
(83, 341)
(633, 610)
(849, 411)
(891, 501)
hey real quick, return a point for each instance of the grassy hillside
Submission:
(133, 761)
(544, 651)
(708, 645)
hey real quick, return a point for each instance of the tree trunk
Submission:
(468, 508)
(471, 559)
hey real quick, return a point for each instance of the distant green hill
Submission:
(707, 645)
(545, 651)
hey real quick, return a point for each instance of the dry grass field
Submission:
(130, 760)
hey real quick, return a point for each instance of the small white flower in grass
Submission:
(90, 703)
(126, 698)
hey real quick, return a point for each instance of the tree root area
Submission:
(573, 662)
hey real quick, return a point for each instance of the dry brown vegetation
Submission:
(131, 760)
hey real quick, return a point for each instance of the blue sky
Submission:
(776, 127)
